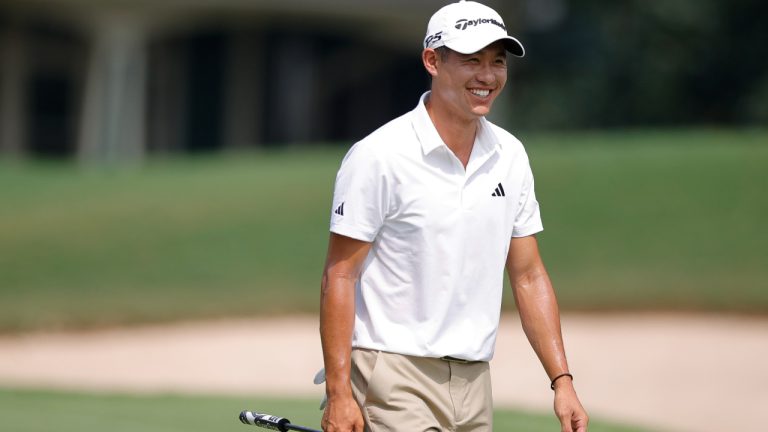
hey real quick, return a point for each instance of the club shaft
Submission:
(300, 428)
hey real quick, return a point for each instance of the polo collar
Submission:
(424, 128)
(485, 142)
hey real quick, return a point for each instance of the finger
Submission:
(565, 423)
(565, 427)
(580, 425)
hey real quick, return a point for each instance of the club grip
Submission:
(264, 420)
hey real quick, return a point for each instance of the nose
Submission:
(485, 74)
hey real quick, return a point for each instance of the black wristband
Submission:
(552, 386)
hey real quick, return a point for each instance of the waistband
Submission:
(458, 360)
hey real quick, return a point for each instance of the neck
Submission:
(458, 133)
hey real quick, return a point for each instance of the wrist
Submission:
(563, 379)
(338, 390)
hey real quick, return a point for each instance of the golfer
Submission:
(427, 213)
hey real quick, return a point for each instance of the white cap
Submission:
(467, 27)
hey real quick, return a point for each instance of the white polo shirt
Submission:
(431, 285)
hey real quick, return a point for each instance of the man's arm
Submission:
(540, 317)
(337, 319)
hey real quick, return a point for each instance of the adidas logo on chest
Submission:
(499, 192)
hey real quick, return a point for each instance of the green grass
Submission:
(39, 411)
(634, 220)
(182, 238)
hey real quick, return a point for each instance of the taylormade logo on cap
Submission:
(463, 23)
(468, 27)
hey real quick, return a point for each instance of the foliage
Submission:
(661, 63)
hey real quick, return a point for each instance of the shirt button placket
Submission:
(463, 193)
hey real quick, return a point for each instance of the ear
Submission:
(430, 59)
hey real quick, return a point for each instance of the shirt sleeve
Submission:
(528, 218)
(360, 195)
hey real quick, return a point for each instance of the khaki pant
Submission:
(401, 393)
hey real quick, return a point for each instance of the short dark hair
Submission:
(442, 52)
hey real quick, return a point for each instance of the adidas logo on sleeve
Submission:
(340, 210)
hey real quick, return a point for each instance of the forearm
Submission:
(337, 319)
(540, 318)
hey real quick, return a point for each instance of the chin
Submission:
(482, 111)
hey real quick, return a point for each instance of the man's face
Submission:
(469, 83)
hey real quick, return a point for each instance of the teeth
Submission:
(481, 93)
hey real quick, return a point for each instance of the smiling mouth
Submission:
(480, 92)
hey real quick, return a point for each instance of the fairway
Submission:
(633, 221)
(38, 411)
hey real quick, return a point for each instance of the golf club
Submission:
(271, 422)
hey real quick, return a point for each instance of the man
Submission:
(428, 210)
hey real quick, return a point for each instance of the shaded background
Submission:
(113, 81)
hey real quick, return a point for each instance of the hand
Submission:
(342, 414)
(568, 409)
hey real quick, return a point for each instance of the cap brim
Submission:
(511, 44)
(514, 46)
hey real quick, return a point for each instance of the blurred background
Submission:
(174, 160)
(163, 147)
